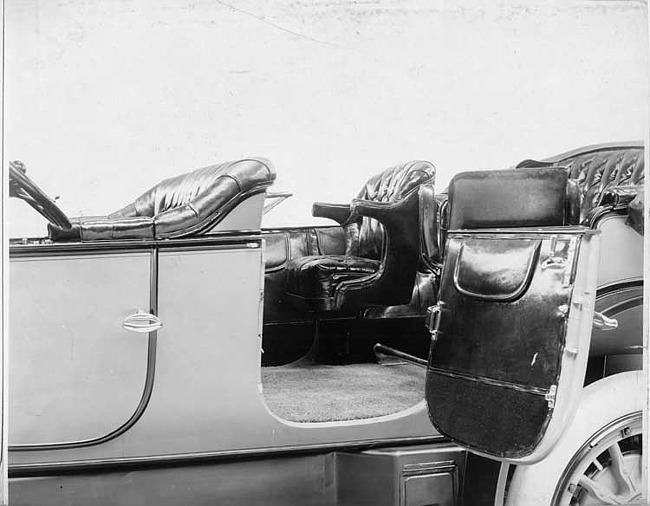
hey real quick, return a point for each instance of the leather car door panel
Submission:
(511, 336)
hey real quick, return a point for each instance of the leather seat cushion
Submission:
(316, 277)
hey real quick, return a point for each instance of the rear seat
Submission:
(609, 176)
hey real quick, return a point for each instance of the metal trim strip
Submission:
(231, 239)
(185, 459)
(491, 381)
(618, 285)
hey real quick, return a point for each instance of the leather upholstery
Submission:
(317, 277)
(499, 271)
(283, 246)
(508, 330)
(180, 206)
(635, 212)
(366, 235)
(535, 198)
(382, 253)
(599, 169)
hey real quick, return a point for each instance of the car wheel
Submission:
(599, 458)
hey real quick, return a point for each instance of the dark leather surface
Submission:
(620, 196)
(365, 235)
(635, 212)
(597, 169)
(383, 225)
(535, 198)
(494, 351)
(495, 271)
(393, 282)
(340, 213)
(317, 277)
(290, 244)
(490, 329)
(425, 293)
(127, 228)
(429, 237)
(180, 206)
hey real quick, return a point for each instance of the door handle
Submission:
(602, 322)
(141, 323)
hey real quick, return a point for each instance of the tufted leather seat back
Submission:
(365, 237)
(181, 206)
(181, 202)
(598, 169)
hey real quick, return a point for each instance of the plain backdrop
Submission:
(104, 99)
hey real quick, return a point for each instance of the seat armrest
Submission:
(392, 285)
(390, 214)
(619, 196)
(619, 199)
(635, 212)
(340, 213)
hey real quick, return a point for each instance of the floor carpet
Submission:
(322, 393)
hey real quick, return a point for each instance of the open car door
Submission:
(510, 334)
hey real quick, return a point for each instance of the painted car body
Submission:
(101, 414)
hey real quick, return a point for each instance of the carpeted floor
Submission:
(323, 393)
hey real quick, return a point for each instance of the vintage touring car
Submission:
(173, 352)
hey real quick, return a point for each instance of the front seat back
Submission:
(185, 205)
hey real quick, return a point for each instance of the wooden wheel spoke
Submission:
(621, 474)
(601, 493)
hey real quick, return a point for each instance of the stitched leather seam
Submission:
(196, 213)
(265, 165)
(233, 178)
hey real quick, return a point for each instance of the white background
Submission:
(104, 99)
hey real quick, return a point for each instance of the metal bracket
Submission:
(433, 320)
(550, 396)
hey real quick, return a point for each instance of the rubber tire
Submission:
(601, 403)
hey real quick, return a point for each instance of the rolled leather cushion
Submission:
(179, 206)
(316, 277)
(635, 212)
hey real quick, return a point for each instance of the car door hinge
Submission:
(550, 396)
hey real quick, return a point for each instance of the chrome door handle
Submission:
(602, 322)
(554, 262)
(141, 323)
